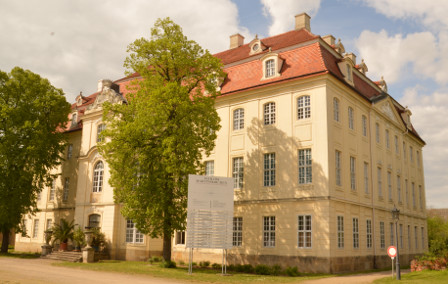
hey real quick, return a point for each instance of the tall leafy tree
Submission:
(32, 114)
(159, 136)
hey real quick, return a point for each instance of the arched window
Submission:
(100, 128)
(303, 107)
(336, 109)
(98, 177)
(238, 119)
(269, 113)
(94, 221)
(270, 68)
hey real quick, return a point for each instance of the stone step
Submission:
(70, 256)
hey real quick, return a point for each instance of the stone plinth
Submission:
(46, 249)
(88, 255)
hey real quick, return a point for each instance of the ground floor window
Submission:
(237, 231)
(340, 232)
(355, 233)
(269, 231)
(133, 235)
(180, 237)
(36, 228)
(94, 221)
(304, 231)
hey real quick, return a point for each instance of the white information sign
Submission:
(210, 212)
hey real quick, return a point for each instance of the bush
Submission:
(218, 266)
(181, 262)
(292, 271)
(276, 270)
(204, 264)
(154, 259)
(168, 264)
(262, 269)
(247, 268)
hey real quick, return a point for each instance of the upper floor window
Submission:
(397, 149)
(303, 107)
(69, 151)
(66, 189)
(269, 68)
(269, 113)
(387, 139)
(100, 129)
(209, 168)
(377, 132)
(238, 172)
(52, 190)
(349, 73)
(404, 150)
(238, 119)
(417, 155)
(338, 165)
(98, 177)
(353, 173)
(336, 109)
(305, 166)
(269, 169)
(364, 125)
(351, 124)
(411, 154)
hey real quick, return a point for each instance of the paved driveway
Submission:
(40, 271)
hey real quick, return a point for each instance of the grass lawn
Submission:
(17, 254)
(181, 273)
(426, 276)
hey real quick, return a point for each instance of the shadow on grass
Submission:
(16, 254)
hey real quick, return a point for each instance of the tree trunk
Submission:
(5, 241)
(166, 246)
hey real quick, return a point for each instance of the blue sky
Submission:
(76, 43)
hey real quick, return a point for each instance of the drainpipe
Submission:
(371, 189)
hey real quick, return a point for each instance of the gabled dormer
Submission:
(79, 99)
(272, 65)
(346, 66)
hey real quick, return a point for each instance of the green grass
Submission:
(181, 273)
(18, 254)
(426, 276)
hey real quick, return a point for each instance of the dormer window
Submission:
(74, 119)
(272, 64)
(349, 73)
(256, 46)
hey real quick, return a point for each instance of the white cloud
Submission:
(430, 119)
(282, 13)
(76, 43)
(394, 56)
(431, 13)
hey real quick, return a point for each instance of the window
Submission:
(52, 190)
(39, 195)
(238, 172)
(377, 132)
(336, 109)
(387, 139)
(399, 188)
(303, 107)
(392, 238)
(304, 231)
(269, 231)
(409, 237)
(74, 119)
(407, 191)
(401, 235)
(133, 235)
(423, 237)
(209, 168)
(98, 177)
(364, 125)
(389, 185)
(350, 118)
(420, 196)
(355, 233)
(353, 173)
(238, 119)
(66, 189)
(416, 237)
(269, 113)
(305, 167)
(237, 231)
(49, 224)
(338, 167)
(382, 236)
(413, 194)
(69, 151)
(36, 228)
(340, 232)
(404, 150)
(369, 233)
(380, 184)
(397, 149)
(411, 154)
(366, 178)
(24, 224)
(94, 221)
(269, 169)
(180, 237)
(270, 68)
(100, 129)
(349, 73)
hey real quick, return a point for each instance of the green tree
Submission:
(160, 135)
(31, 113)
(437, 235)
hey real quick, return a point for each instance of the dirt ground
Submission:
(40, 271)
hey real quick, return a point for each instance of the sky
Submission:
(76, 43)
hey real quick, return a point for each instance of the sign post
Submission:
(392, 252)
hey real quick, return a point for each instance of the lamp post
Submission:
(396, 217)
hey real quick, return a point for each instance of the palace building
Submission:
(320, 155)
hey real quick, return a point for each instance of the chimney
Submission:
(236, 40)
(102, 83)
(303, 21)
(329, 39)
(352, 57)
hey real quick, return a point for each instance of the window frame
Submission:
(269, 113)
(352, 173)
(336, 113)
(304, 107)
(270, 68)
(369, 238)
(209, 168)
(133, 235)
(98, 177)
(304, 231)
(351, 118)
(35, 228)
(269, 231)
(238, 119)
(382, 235)
(269, 169)
(305, 164)
(364, 125)
(238, 172)
(100, 128)
(94, 220)
(338, 164)
(66, 190)
(340, 231)
(237, 235)
(355, 227)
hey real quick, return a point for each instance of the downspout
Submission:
(371, 189)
